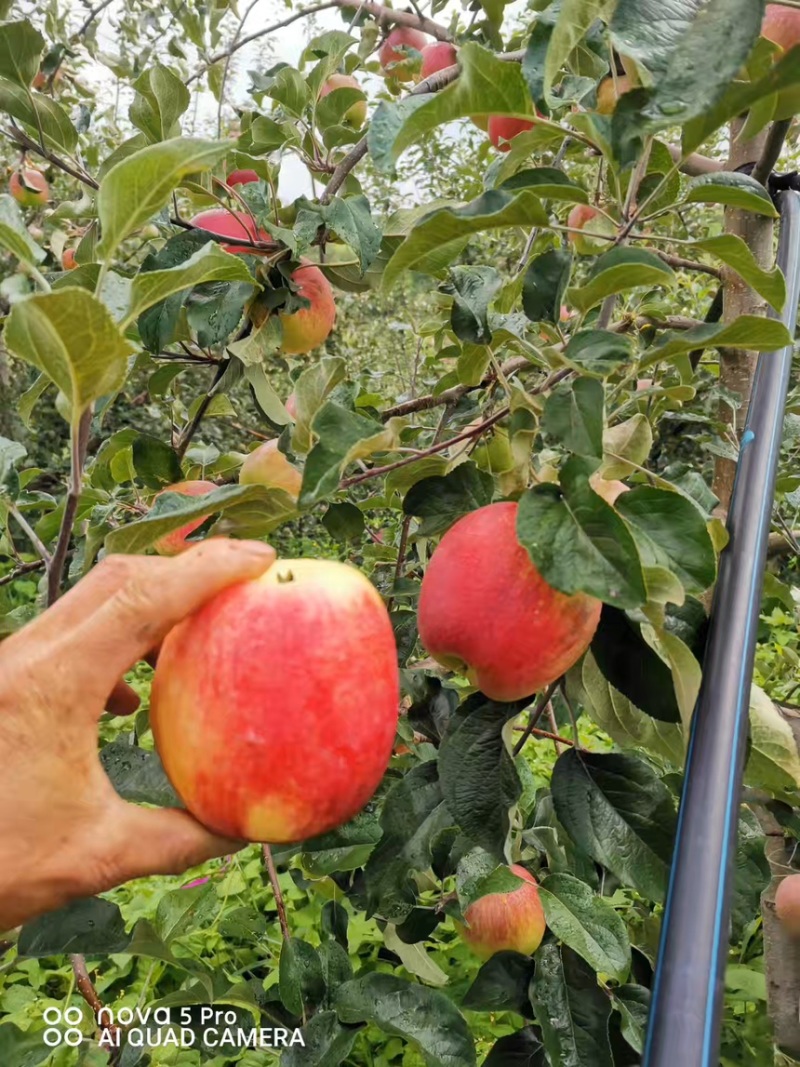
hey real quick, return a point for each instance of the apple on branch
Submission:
(511, 921)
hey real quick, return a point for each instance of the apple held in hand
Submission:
(304, 329)
(29, 187)
(268, 466)
(397, 49)
(485, 608)
(274, 707)
(506, 921)
(173, 543)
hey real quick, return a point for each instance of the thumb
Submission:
(161, 841)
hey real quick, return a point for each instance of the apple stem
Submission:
(276, 890)
(536, 714)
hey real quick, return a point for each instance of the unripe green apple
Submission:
(173, 543)
(394, 53)
(356, 114)
(274, 707)
(502, 129)
(306, 328)
(787, 904)
(506, 921)
(493, 454)
(268, 466)
(781, 25)
(29, 187)
(485, 608)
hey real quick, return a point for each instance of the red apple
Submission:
(267, 465)
(306, 328)
(437, 56)
(781, 25)
(506, 921)
(241, 177)
(68, 261)
(593, 225)
(503, 129)
(356, 114)
(271, 723)
(787, 903)
(608, 488)
(485, 608)
(396, 49)
(609, 92)
(173, 543)
(29, 187)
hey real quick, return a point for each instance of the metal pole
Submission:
(685, 1012)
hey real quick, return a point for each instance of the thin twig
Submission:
(190, 429)
(21, 571)
(79, 444)
(276, 890)
(92, 16)
(535, 716)
(679, 263)
(388, 16)
(771, 153)
(30, 533)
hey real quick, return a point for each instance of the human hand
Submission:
(65, 832)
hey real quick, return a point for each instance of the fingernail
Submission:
(255, 548)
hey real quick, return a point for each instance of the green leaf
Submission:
(311, 388)
(207, 264)
(173, 510)
(633, 667)
(414, 958)
(326, 1042)
(571, 1009)
(441, 500)
(70, 335)
(11, 453)
(161, 98)
(27, 402)
(38, 112)
(14, 235)
(155, 463)
(578, 542)
(623, 721)
(521, 1049)
(23, 1048)
(773, 763)
(619, 271)
(91, 926)
(629, 441)
(617, 811)
(474, 288)
(544, 285)
(301, 983)
(574, 415)
(598, 352)
(140, 185)
(344, 522)
(502, 984)
(587, 923)
(633, 1004)
(413, 815)
(350, 218)
(290, 89)
(733, 189)
(733, 251)
(670, 531)
(21, 48)
(138, 775)
(424, 1016)
(575, 17)
(448, 227)
(752, 872)
(478, 778)
(748, 331)
(181, 911)
(486, 86)
(548, 183)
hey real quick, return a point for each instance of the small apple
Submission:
(29, 187)
(306, 328)
(781, 25)
(150, 232)
(485, 609)
(593, 225)
(437, 56)
(173, 543)
(608, 488)
(267, 722)
(787, 904)
(241, 177)
(356, 114)
(506, 921)
(396, 50)
(267, 465)
(609, 92)
(68, 261)
(502, 130)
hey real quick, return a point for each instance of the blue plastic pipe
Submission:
(686, 1007)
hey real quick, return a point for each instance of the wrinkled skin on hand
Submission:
(64, 832)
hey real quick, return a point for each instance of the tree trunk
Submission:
(736, 365)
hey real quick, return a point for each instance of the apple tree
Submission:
(354, 273)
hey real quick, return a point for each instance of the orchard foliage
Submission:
(519, 316)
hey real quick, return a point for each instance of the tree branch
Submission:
(79, 444)
(95, 11)
(388, 16)
(770, 154)
(679, 263)
(30, 533)
(535, 716)
(276, 890)
(693, 165)
(21, 571)
(454, 393)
